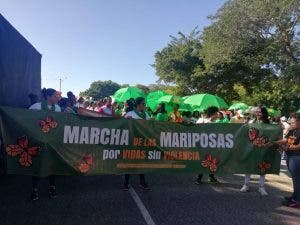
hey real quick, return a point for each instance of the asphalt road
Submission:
(174, 199)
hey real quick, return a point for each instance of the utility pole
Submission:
(60, 81)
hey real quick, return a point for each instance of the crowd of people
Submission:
(136, 109)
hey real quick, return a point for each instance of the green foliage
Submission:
(176, 63)
(249, 53)
(254, 32)
(100, 89)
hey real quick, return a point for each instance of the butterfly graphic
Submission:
(256, 139)
(211, 163)
(23, 150)
(85, 165)
(263, 166)
(47, 124)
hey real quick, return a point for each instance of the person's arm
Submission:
(294, 148)
(103, 113)
(281, 142)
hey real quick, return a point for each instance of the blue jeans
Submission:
(293, 163)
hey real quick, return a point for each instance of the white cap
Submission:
(283, 119)
(240, 113)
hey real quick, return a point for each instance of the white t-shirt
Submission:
(203, 120)
(79, 105)
(133, 115)
(38, 106)
(107, 110)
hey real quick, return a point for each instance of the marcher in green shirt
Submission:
(161, 113)
(221, 118)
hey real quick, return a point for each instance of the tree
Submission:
(144, 88)
(246, 52)
(100, 89)
(176, 63)
(255, 32)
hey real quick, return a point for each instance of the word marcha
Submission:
(95, 135)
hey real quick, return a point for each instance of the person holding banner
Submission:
(107, 110)
(261, 116)
(212, 115)
(50, 99)
(140, 114)
(161, 113)
(291, 145)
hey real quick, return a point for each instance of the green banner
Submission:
(46, 143)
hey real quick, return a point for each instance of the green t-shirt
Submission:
(224, 120)
(162, 117)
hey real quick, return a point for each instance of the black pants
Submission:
(142, 178)
(36, 181)
(211, 175)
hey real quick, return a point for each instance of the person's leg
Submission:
(52, 188)
(212, 178)
(294, 167)
(142, 179)
(247, 179)
(143, 185)
(125, 186)
(245, 187)
(34, 194)
(51, 181)
(199, 179)
(261, 188)
(35, 183)
(127, 176)
(262, 179)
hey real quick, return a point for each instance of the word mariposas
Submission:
(192, 140)
(95, 135)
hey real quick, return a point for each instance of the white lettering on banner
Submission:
(165, 139)
(71, 135)
(94, 135)
(194, 140)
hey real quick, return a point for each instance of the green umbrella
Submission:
(124, 94)
(203, 101)
(152, 98)
(173, 99)
(273, 112)
(185, 107)
(185, 97)
(239, 105)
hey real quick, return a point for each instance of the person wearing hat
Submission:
(238, 118)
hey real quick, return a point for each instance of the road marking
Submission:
(141, 207)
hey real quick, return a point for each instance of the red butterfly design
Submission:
(211, 163)
(263, 166)
(47, 124)
(85, 165)
(23, 149)
(253, 133)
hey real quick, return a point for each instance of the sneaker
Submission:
(198, 181)
(52, 192)
(291, 203)
(262, 191)
(213, 180)
(125, 187)
(144, 186)
(245, 188)
(34, 195)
